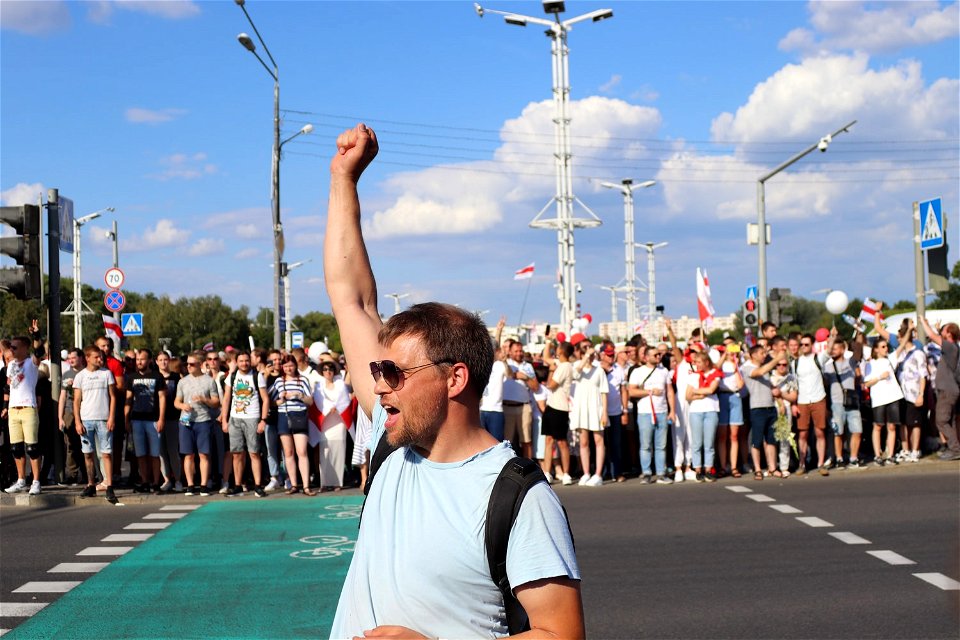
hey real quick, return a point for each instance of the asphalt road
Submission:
(681, 561)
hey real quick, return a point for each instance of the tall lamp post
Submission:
(112, 236)
(288, 334)
(627, 187)
(614, 320)
(564, 222)
(822, 145)
(247, 43)
(78, 308)
(652, 277)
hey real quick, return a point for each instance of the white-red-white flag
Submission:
(869, 311)
(704, 302)
(112, 329)
(524, 273)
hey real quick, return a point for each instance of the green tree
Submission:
(319, 326)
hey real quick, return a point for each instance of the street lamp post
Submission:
(626, 187)
(287, 268)
(112, 235)
(652, 278)
(247, 43)
(564, 222)
(613, 310)
(78, 308)
(822, 145)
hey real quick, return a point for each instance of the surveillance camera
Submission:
(579, 288)
(824, 143)
(478, 8)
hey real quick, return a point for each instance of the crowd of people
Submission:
(206, 422)
(780, 405)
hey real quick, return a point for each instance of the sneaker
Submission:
(689, 474)
(224, 489)
(35, 488)
(17, 487)
(891, 460)
(595, 481)
(856, 464)
(664, 480)
(566, 480)
(273, 485)
(157, 490)
(191, 491)
(89, 491)
(698, 476)
(678, 476)
(584, 479)
(548, 476)
(111, 496)
(824, 471)
(178, 488)
(204, 491)
(878, 461)
(646, 478)
(914, 456)
(945, 455)
(166, 487)
(235, 491)
(801, 470)
(259, 492)
(287, 484)
(710, 476)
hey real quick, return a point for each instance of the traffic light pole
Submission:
(53, 290)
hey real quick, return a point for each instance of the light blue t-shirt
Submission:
(420, 560)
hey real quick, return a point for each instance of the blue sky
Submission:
(154, 108)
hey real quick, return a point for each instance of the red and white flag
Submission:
(112, 329)
(525, 273)
(869, 311)
(704, 303)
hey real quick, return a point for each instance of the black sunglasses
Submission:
(394, 375)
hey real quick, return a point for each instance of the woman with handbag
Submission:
(292, 394)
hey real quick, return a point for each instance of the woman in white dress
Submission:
(588, 412)
(333, 430)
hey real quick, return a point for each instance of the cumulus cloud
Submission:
(165, 234)
(185, 167)
(35, 18)
(152, 116)
(611, 84)
(247, 223)
(246, 254)
(22, 193)
(873, 27)
(101, 12)
(206, 246)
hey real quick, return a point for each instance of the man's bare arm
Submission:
(554, 608)
(349, 278)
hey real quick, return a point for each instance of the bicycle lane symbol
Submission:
(326, 546)
(341, 512)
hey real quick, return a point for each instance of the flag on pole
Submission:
(112, 329)
(524, 273)
(870, 310)
(208, 346)
(704, 303)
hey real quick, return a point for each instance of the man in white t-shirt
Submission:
(812, 402)
(517, 410)
(243, 415)
(429, 365)
(491, 404)
(23, 413)
(94, 405)
(650, 385)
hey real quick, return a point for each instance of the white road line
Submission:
(785, 508)
(849, 538)
(104, 551)
(47, 587)
(814, 522)
(4, 631)
(147, 525)
(127, 537)
(739, 488)
(180, 507)
(759, 497)
(164, 516)
(78, 567)
(20, 609)
(939, 580)
(890, 557)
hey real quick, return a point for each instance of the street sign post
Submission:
(931, 224)
(752, 293)
(114, 301)
(296, 339)
(114, 278)
(132, 324)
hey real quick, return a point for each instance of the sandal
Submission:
(735, 473)
(777, 473)
(758, 475)
(309, 492)
(293, 490)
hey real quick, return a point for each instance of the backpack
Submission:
(509, 490)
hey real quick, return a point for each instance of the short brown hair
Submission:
(448, 334)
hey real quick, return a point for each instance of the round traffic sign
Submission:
(114, 278)
(114, 300)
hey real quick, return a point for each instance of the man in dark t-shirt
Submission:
(144, 413)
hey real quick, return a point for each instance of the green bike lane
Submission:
(231, 569)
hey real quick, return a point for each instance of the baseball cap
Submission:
(609, 351)
(577, 338)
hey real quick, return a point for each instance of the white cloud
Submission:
(873, 27)
(100, 12)
(206, 246)
(152, 116)
(245, 254)
(165, 234)
(35, 18)
(185, 166)
(22, 193)
(611, 84)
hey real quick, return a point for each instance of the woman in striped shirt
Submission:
(292, 394)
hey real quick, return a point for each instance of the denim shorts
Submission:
(96, 437)
(841, 417)
(731, 408)
(293, 422)
(146, 438)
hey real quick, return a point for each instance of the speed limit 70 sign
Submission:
(114, 278)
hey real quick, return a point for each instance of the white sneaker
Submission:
(595, 481)
(548, 477)
(566, 480)
(35, 488)
(273, 485)
(17, 487)
(914, 456)
(584, 479)
(224, 489)
(678, 476)
(689, 474)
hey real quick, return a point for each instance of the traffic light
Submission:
(750, 316)
(23, 281)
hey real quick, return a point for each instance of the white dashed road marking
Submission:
(20, 609)
(939, 580)
(759, 497)
(181, 507)
(811, 521)
(164, 516)
(849, 538)
(127, 537)
(47, 587)
(737, 488)
(891, 557)
(104, 551)
(785, 508)
(147, 525)
(78, 567)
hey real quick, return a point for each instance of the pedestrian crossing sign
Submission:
(931, 224)
(132, 324)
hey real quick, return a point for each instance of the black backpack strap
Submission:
(511, 486)
(380, 454)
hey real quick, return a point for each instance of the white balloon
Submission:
(837, 302)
